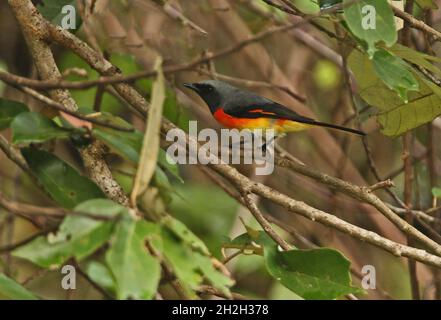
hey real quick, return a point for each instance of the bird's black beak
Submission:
(191, 86)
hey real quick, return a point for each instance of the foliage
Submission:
(312, 274)
(175, 228)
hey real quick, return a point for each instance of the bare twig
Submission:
(381, 185)
(254, 84)
(251, 205)
(75, 114)
(205, 289)
(53, 212)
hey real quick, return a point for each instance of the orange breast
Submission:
(241, 123)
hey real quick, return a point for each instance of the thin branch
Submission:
(178, 15)
(254, 84)
(417, 213)
(205, 289)
(14, 155)
(13, 246)
(415, 23)
(363, 194)
(56, 33)
(60, 107)
(266, 226)
(382, 185)
(52, 212)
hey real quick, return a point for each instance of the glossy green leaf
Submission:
(30, 127)
(137, 273)
(9, 110)
(10, 289)
(312, 274)
(395, 116)
(78, 236)
(66, 186)
(395, 73)
(372, 21)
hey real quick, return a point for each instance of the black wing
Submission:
(249, 105)
(246, 104)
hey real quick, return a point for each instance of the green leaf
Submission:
(30, 127)
(100, 274)
(395, 73)
(14, 291)
(209, 219)
(180, 257)
(416, 57)
(8, 110)
(436, 192)
(66, 186)
(78, 236)
(137, 273)
(182, 232)
(395, 116)
(312, 274)
(190, 264)
(52, 10)
(371, 27)
(127, 144)
(216, 278)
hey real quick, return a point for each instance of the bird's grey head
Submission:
(213, 92)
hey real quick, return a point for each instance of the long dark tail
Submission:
(337, 127)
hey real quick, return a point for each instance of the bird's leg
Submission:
(273, 139)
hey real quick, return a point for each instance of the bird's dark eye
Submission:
(210, 88)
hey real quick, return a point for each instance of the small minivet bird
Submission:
(240, 109)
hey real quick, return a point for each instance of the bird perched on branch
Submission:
(240, 109)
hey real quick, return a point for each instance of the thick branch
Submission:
(34, 28)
